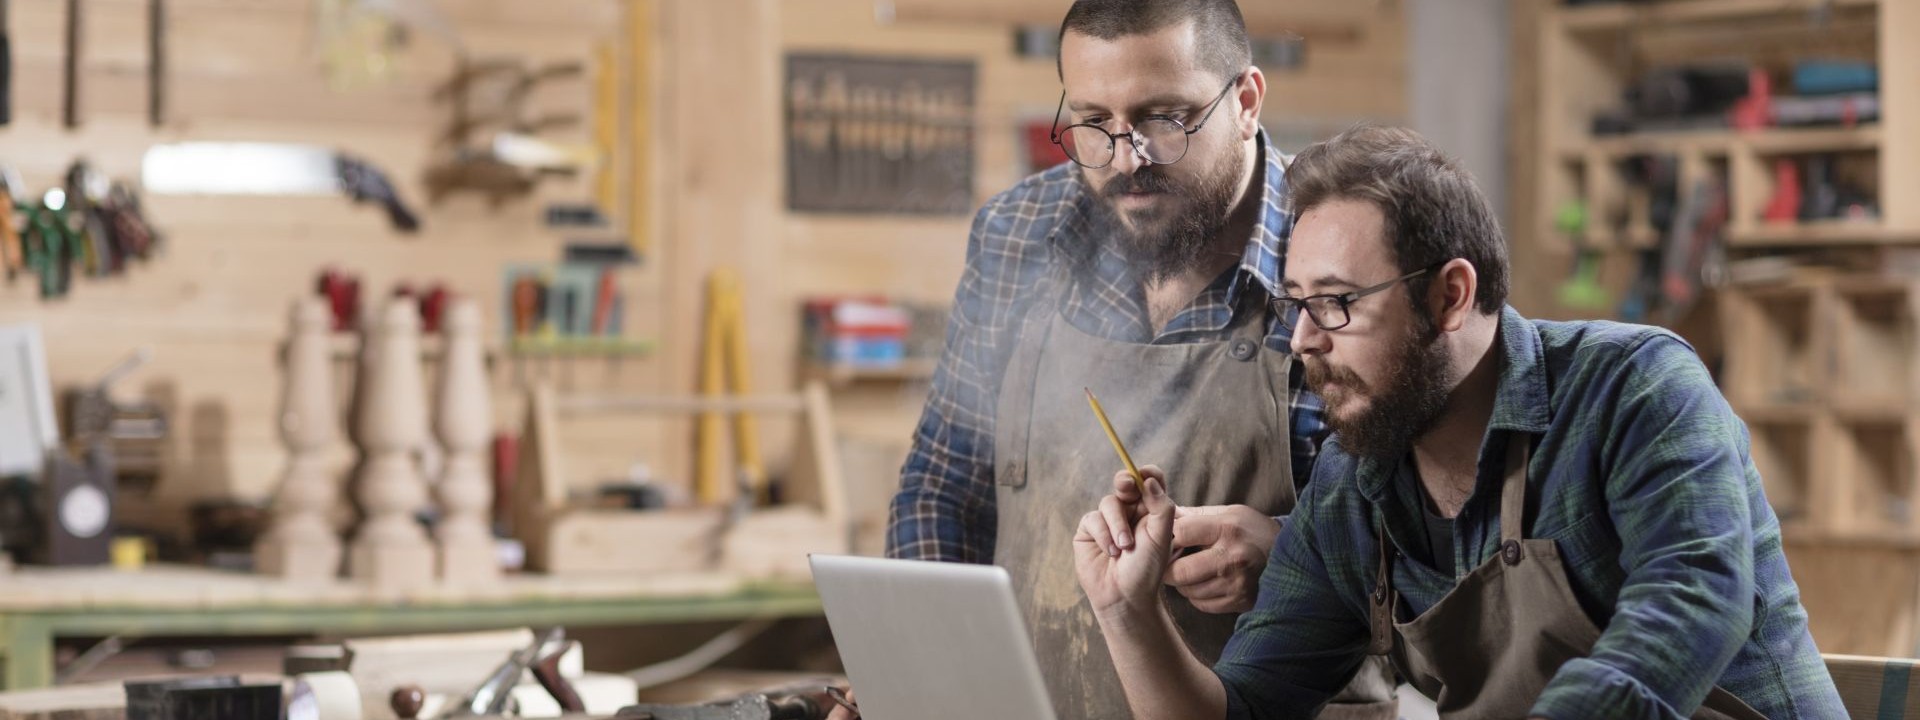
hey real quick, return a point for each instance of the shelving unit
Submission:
(839, 375)
(1589, 53)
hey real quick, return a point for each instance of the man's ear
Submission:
(1252, 92)
(1451, 294)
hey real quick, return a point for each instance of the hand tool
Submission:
(812, 705)
(547, 672)
(6, 69)
(603, 304)
(248, 168)
(156, 61)
(70, 109)
(13, 254)
(492, 696)
(1138, 480)
(364, 182)
(723, 369)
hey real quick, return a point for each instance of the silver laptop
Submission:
(931, 641)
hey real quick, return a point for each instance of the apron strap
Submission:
(1380, 603)
(1513, 491)
(1018, 381)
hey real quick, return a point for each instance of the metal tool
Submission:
(245, 168)
(156, 61)
(6, 68)
(70, 108)
(809, 705)
(547, 672)
(492, 697)
(1138, 480)
(135, 432)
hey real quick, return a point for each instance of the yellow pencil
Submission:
(1138, 481)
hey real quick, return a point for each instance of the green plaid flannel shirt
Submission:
(1640, 474)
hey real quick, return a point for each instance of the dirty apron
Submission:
(1213, 414)
(1488, 648)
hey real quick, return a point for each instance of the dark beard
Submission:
(1406, 407)
(1177, 236)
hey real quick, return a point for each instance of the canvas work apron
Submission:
(1213, 414)
(1490, 646)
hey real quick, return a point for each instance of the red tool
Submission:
(1784, 206)
(603, 304)
(433, 306)
(342, 292)
(526, 305)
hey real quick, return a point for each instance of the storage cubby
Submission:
(1783, 452)
(1874, 462)
(1874, 336)
(1774, 345)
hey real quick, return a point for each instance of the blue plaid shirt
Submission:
(945, 508)
(1642, 478)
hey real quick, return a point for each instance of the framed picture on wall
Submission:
(874, 135)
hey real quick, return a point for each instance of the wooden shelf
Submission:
(1825, 232)
(1622, 17)
(1777, 413)
(840, 375)
(346, 348)
(580, 347)
(1772, 141)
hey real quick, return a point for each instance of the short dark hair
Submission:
(1434, 211)
(1219, 30)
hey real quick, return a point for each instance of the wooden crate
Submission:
(564, 538)
(1862, 595)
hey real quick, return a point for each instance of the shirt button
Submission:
(1242, 350)
(1510, 552)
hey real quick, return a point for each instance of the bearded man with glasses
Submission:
(1530, 519)
(1142, 270)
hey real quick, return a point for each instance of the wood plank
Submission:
(1899, 101)
(1860, 599)
(1615, 16)
(1316, 20)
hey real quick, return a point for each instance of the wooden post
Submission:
(464, 420)
(302, 545)
(391, 552)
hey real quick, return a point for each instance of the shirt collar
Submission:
(1266, 253)
(1519, 401)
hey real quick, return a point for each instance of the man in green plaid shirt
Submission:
(1531, 519)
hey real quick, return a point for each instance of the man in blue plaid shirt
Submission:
(1142, 271)
(1531, 519)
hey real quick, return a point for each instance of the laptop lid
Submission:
(931, 641)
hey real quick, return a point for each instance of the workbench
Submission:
(40, 605)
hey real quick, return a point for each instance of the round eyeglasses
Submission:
(1157, 140)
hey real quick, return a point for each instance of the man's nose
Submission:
(1126, 154)
(1308, 338)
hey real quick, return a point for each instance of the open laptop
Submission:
(931, 641)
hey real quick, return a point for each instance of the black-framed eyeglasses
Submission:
(1329, 312)
(1160, 140)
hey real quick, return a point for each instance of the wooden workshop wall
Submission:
(723, 182)
(214, 305)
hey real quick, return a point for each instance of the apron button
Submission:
(1510, 552)
(1242, 349)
